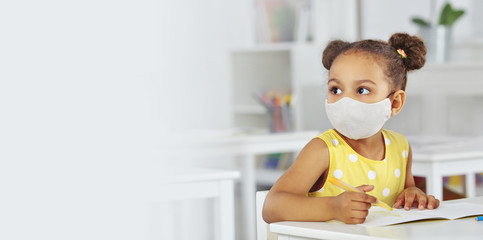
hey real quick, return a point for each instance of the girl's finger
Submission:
(362, 214)
(431, 202)
(399, 200)
(398, 203)
(408, 201)
(360, 206)
(423, 200)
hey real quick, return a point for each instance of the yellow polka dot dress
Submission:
(388, 176)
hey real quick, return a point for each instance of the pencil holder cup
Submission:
(279, 119)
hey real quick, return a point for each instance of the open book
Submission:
(379, 216)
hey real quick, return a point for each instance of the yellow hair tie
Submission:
(402, 53)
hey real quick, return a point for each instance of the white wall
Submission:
(193, 39)
(79, 112)
(89, 92)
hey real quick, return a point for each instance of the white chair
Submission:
(213, 184)
(262, 226)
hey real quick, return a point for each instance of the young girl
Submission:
(366, 87)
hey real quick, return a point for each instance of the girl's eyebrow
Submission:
(358, 82)
(333, 80)
(365, 81)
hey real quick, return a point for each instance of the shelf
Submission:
(284, 68)
(249, 109)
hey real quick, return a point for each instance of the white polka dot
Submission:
(353, 158)
(371, 175)
(335, 142)
(397, 172)
(338, 173)
(386, 192)
(405, 154)
(322, 189)
(387, 141)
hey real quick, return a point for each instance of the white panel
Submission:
(461, 115)
(335, 19)
(382, 18)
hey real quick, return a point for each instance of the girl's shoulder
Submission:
(392, 134)
(394, 137)
(328, 135)
(313, 156)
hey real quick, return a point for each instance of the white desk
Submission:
(182, 184)
(434, 159)
(465, 228)
(246, 148)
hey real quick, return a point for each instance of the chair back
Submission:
(261, 224)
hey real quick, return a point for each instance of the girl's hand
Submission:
(413, 196)
(353, 207)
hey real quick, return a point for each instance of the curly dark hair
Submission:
(395, 67)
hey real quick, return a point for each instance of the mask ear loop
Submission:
(390, 94)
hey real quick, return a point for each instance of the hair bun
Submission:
(332, 50)
(414, 48)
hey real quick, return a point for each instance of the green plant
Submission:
(448, 17)
(420, 22)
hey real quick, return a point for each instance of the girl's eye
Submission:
(363, 91)
(335, 90)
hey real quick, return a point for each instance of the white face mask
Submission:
(358, 120)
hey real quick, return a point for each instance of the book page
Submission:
(379, 216)
(456, 210)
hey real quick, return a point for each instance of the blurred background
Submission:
(101, 100)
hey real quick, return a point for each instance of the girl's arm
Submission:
(287, 200)
(409, 173)
(413, 196)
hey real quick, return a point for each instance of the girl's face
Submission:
(357, 76)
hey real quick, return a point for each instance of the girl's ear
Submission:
(398, 99)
